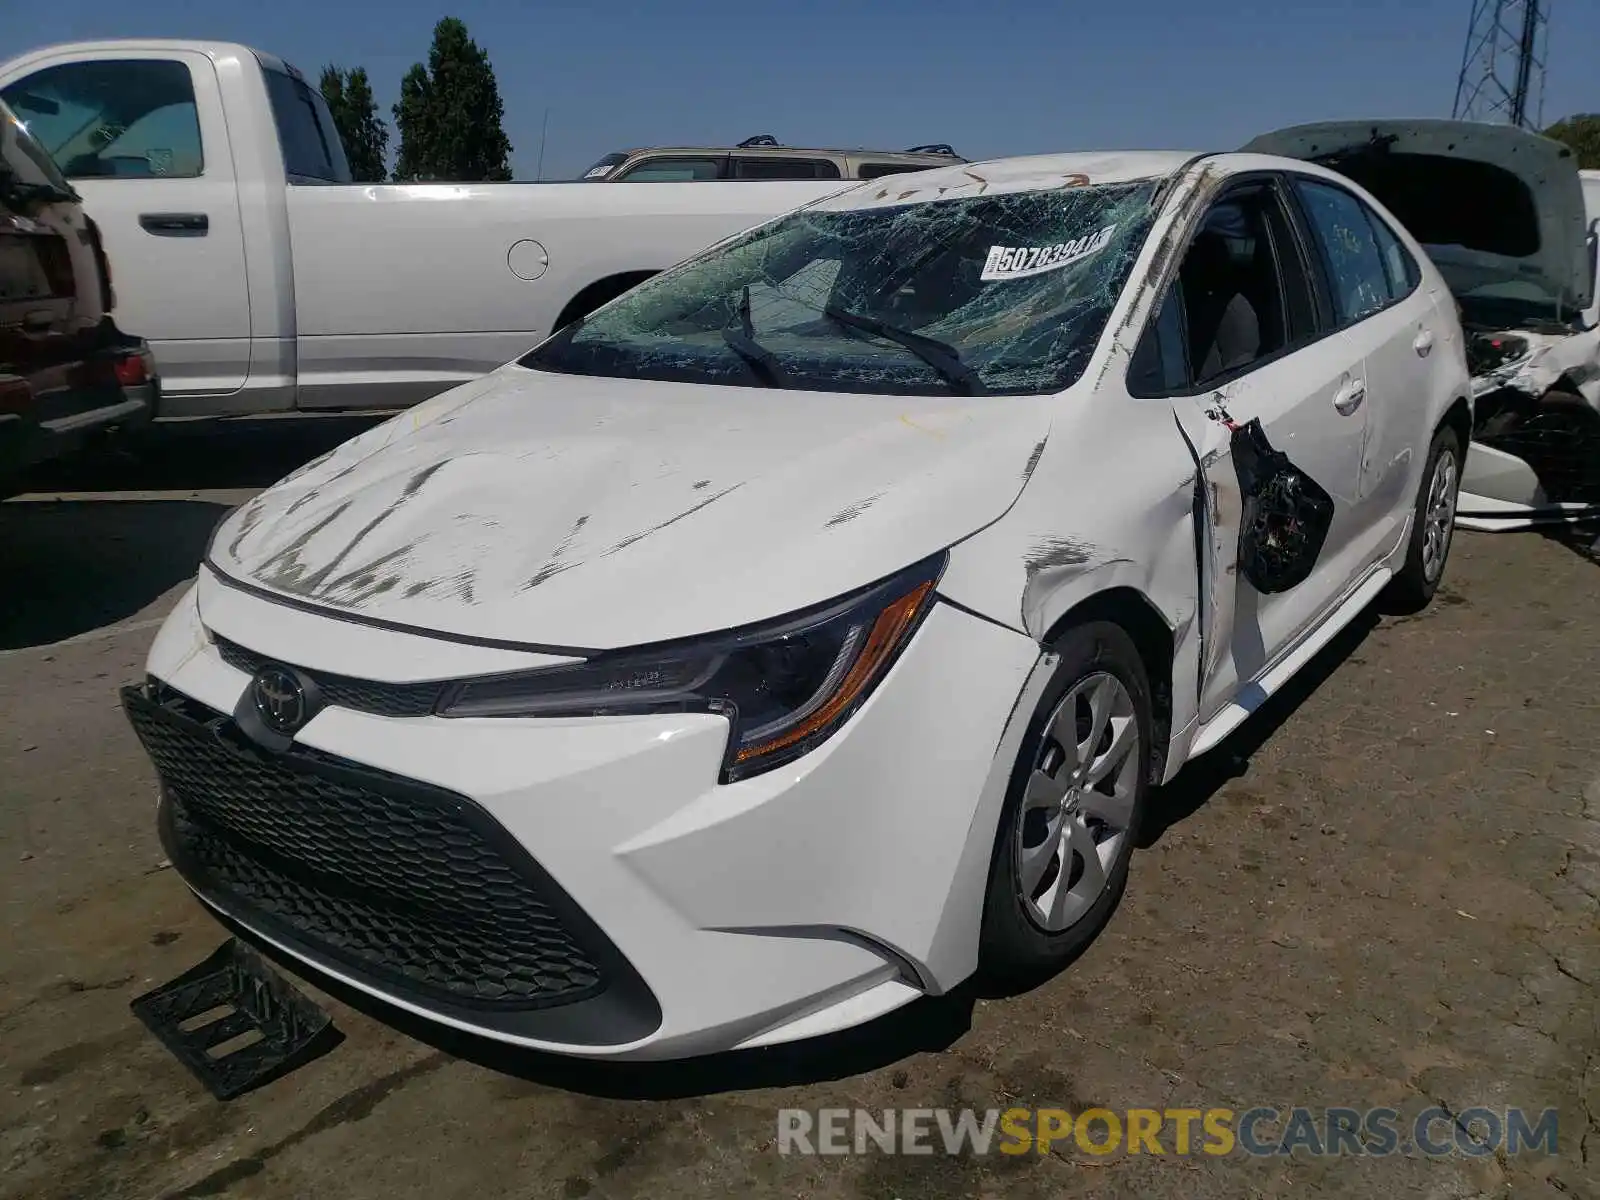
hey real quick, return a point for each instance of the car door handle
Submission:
(175, 224)
(38, 322)
(1348, 398)
(1424, 343)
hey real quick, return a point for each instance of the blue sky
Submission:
(994, 77)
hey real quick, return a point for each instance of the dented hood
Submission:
(568, 511)
(1493, 204)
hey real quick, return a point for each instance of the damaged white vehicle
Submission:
(1511, 223)
(809, 626)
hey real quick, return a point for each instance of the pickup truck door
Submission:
(142, 137)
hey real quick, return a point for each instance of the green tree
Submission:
(355, 112)
(1581, 132)
(450, 112)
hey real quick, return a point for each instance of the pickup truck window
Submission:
(117, 118)
(672, 170)
(784, 168)
(993, 294)
(312, 151)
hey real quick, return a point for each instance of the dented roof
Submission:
(1032, 173)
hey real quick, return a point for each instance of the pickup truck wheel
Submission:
(1432, 525)
(1071, 818)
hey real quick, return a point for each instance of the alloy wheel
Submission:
(1439, 517)
(1078, 806)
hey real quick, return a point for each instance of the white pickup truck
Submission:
(264, 280)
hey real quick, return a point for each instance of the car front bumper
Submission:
(586, 886)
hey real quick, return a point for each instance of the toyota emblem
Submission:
(279, 699)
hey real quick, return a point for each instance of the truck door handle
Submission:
(37, 322)
(1424, 343)
(1349, 397)
(175, 224)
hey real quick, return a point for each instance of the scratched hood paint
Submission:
(568, 511)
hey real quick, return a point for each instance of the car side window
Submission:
(1245, 294)
(119, 118)
(1160, 365)
(784, 168)
(1242, 295)
(1357, 275)
(312, 151)
(877, 170)
(1402, 270)
(672, 170)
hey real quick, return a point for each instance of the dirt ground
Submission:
(1386, 891)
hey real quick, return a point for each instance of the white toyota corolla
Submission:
(806, 630)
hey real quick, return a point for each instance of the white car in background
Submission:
(806, 629)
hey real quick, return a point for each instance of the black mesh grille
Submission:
(1561, 443)
(363, 695)
(409, 883)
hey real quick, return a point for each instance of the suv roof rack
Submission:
(934, 148)
(761, 139)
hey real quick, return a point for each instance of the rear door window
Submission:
(1401, 268)
(1357, 275)
(784, 168)
(312, 151)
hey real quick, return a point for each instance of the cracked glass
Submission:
(1004, 294)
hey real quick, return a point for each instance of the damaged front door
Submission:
(1276, 537)
(1272, 411)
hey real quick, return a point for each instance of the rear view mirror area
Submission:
(1286, 514)
(28, 102)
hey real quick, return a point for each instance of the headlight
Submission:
(785, 686)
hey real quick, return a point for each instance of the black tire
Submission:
(1414, 587)
(1014, 949)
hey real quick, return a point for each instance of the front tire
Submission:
(1072, 815)
(1432, 525)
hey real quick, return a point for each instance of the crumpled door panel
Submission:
(1261, 526)
(1285, 514)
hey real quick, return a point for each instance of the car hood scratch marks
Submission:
(851, 512)
(520, 517)
(314, 581)
(283, 569)
(631, 539)
(556, 565)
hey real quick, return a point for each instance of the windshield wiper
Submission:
(941, 356)
(743, 343)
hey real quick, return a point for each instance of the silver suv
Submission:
(762, 157)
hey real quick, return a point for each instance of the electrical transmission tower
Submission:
(1502, 68)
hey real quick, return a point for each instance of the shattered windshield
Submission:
(988, 294)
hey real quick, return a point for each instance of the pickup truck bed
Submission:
(263, 280)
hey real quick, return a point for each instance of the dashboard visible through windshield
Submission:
(1000, 294)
